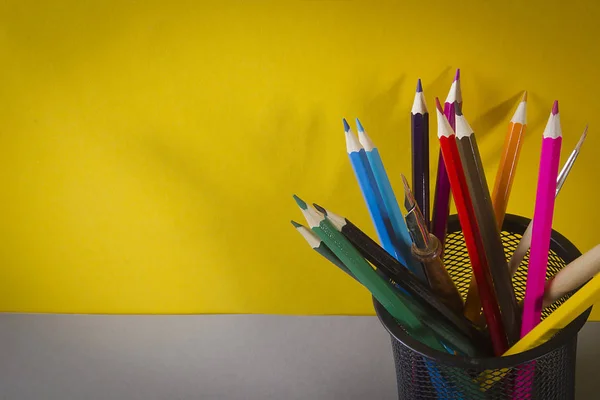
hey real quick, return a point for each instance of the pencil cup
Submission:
(547, 371)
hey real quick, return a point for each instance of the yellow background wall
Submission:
(149, 150)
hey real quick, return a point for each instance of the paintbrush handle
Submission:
(521, 250)
(439, 279)
(572, 276)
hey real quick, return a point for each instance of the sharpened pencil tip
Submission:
(524, 98)
(438, 105)
(457, 76)
(359, 126)
(419, 86)
(458, 109)
(555, 107)
(346, 126)
(300, 202)
(320, 209)
(296, 225)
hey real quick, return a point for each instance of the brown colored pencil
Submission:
(486, 220)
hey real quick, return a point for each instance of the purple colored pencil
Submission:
(441, 200)
(419, 118)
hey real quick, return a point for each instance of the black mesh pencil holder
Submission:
(424, 373)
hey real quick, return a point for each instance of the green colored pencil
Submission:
(317, 245)
(362, 270)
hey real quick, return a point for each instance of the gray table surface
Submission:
(84, 357)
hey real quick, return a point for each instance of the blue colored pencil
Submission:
(374, 201)
(391, 204)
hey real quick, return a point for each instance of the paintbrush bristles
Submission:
(581, 139)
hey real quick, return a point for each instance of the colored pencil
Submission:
(542, 222)
(508, 161)
(441, 200)
(390, 202)
(471, 232)
(572, 276)
(419, 124)
(419, 292)
(317, 245)
(389, 298)
(525, 242)
(490, 234)
(368, 186)
(426, 248)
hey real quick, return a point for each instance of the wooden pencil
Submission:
(525, 242)
(441, 200)
(490, 234)
(390, 203)
(509, 160)
(389, 298)
(419, 123)
(542, 222)
(317, 245)
(457, 329)
(471, 233)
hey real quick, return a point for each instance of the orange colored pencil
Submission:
(509, 160)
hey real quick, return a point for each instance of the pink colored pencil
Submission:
(441, 200)
(542, 222)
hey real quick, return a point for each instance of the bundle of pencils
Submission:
(404, 268)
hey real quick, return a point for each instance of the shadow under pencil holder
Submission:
(425, 373)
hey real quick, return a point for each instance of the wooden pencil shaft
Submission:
(525, 242)
(490, 235)
(420, 157)
(507, 170)
(541, 233)
(374, 202)
(572, 276)
(441, 203)
(329, 255)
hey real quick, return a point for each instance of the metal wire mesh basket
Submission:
(549, 369)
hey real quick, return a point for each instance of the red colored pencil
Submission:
(466, 215)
